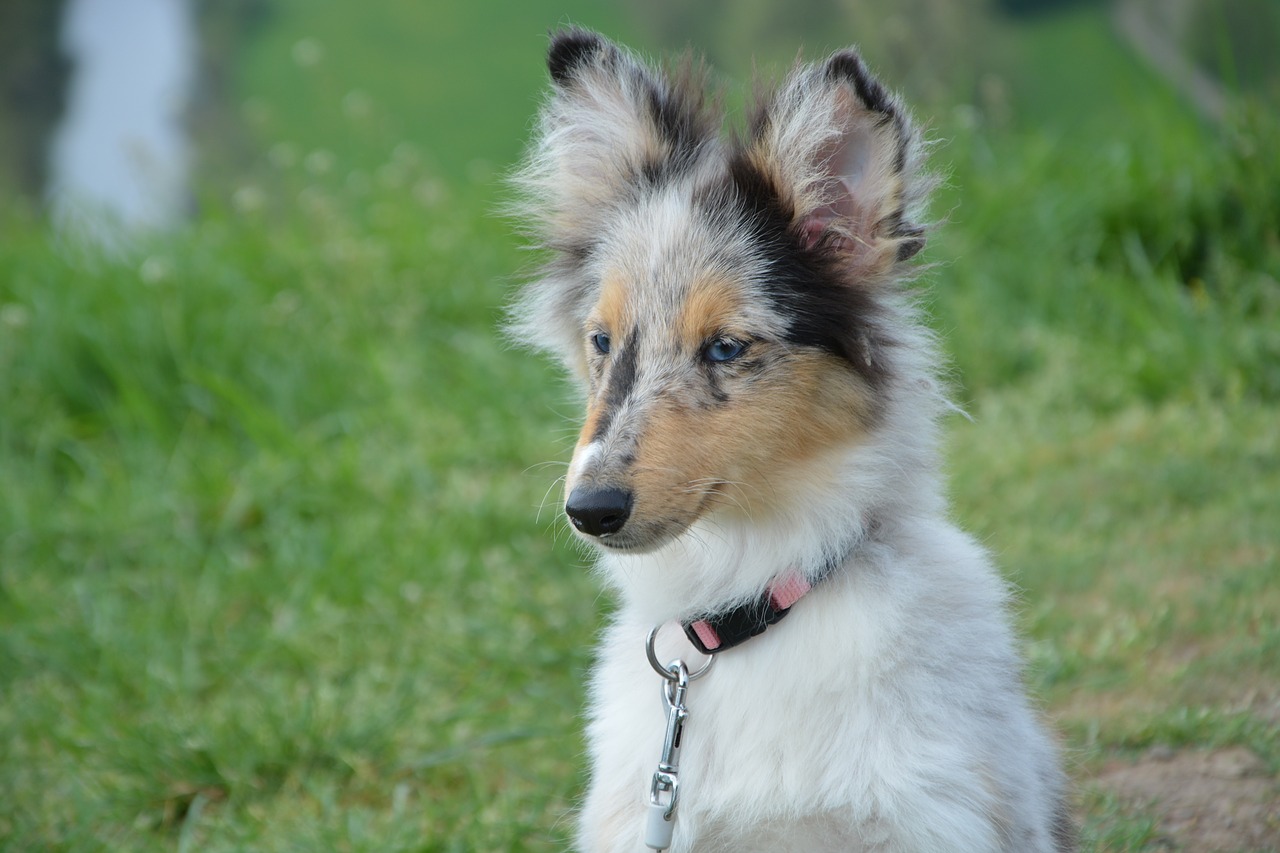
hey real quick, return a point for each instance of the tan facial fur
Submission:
(694, 437)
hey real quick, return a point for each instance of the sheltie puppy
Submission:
(760, 440)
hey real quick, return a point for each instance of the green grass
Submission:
(460, 84)
(272, 549)
(273, 574)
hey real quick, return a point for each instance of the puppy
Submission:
(760, 441)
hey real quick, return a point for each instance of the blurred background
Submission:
(281, 564)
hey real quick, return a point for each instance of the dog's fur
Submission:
(887, 712)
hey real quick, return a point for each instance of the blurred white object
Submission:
(120, 157)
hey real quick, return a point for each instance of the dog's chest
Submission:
(757, 741)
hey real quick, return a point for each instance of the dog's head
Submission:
(731, 305)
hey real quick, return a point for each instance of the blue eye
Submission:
(601, 342)
(723, 349)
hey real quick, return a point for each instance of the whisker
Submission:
(542, 504)
(548, 464)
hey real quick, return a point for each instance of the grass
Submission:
(257, 555)
(273, 574)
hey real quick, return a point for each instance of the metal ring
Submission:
(671, 671)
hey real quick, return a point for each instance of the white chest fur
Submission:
(885, 713)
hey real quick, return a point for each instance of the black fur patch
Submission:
(679, 113)
(848, 66)
(908, 249)
(570, 50)
(718, 394)
(897, 226)
(680, 109)
(622, 378)
(825, 310)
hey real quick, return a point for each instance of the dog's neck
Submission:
(713, 633)
(826, 510)
(730, 558)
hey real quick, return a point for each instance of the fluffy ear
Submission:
(842, 155)
(611, 123)
(611, 126)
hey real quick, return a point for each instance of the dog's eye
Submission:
(601, 342)
(723, 349)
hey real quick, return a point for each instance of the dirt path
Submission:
(1218, 801)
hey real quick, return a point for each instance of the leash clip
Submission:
(664, 789)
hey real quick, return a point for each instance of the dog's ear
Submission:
(612, 123)
(840, 152)
(611, 127)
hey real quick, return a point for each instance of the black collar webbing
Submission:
(713, 633)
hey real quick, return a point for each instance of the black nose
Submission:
(598, 511)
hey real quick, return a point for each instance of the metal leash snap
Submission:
(664, 789)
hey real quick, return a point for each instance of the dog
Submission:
(760, 441)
